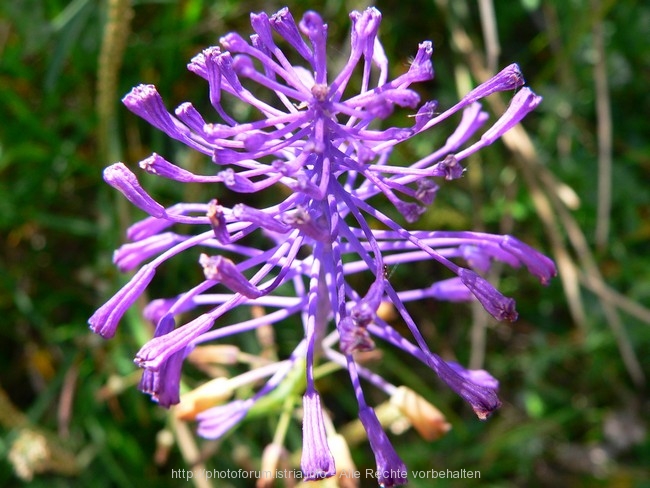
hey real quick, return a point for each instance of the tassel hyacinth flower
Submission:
(320, 145)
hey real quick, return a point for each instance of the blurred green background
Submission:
(574, 182)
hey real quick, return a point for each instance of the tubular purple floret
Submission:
(122, 178)
(451, 290)
(476, 387)
(316, 461)
(105, 320)
(244, 213)
(191, 117)
(236, 182)
(217, 421)
(155, 352)
(449, 167)
(537, 264)
(223, 270)
(158, 308)
(264, 54)
(217, 219)
(411, 211)
(146, 102)
(367, 307)
(315, 29)
(302, 184)
(424, 114)
(163, 385)
(477, 376)
(426, 191)
(362, 40)
(483, 399)
(507, 79)
(254, 139)
(207, 62)
(284, 24)
(235, 43)
(353, 338)
(497, 305)
(262, 27)
(365, 26)
(313, 227)
(390, 468)
(132, 254)
(157, 165)
(203, 65)
(146, 228)
(421, 68)
(225, 64)
(369, 20)
(166, 382)
(476, 257)
(524, 102)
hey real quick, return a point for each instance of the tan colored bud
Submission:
(386, 311)
(214, 354)
(425, 418)
(214, 392)
(273, 455)
(164, 445)
(345, 467)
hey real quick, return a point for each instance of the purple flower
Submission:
(163, 384)
(314, 136)
(317, 461)
(391, 470)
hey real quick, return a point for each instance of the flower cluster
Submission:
(320, 146)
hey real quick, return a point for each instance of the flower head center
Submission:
(320, 91)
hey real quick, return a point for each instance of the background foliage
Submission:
(573, 368)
